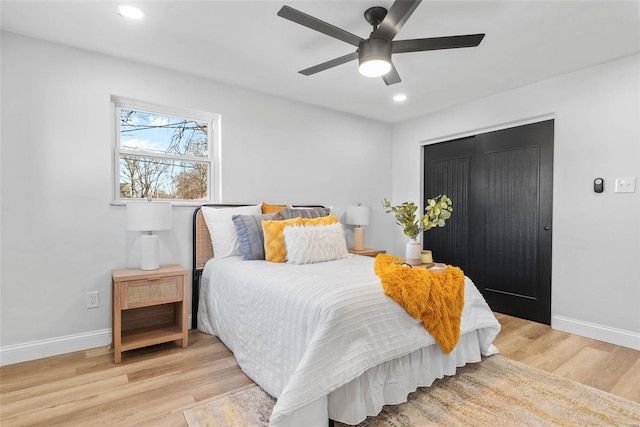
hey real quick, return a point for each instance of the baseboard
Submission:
(67, 344)
(598, 332)
(55, 346)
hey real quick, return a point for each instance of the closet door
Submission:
(500, 233)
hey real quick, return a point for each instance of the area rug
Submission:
(494, 392)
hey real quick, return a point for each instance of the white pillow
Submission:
(307, 245)
(224, 237)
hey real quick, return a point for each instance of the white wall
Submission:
(60, 235)
(596, 237)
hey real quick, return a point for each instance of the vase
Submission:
(413, 253)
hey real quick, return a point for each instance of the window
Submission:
(164, 153)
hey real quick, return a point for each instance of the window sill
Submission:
(174, 203)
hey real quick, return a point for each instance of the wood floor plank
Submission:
(627, 385)
(148, 404)
(65, 409)
(598, 368)
(559, 354)
(153, 386)
(20, 378)
(60, 397)
(583, 366)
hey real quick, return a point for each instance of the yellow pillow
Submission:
(275, 249)
(267, 209)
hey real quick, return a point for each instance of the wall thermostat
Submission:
(598, 185)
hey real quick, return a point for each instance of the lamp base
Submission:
(149, 249)
(358, 239)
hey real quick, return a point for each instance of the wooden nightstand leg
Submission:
(117, 326)
(185, 339)
(180, 315)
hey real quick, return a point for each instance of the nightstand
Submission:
(149, 307)
(368, 252)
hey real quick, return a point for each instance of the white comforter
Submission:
(302, 331)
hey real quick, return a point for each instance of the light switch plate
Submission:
(626, 184)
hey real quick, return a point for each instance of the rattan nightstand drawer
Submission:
(142, 293)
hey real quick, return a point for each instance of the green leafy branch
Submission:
(437, 211)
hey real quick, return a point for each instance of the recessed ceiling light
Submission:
(400, 97)
(130, 12)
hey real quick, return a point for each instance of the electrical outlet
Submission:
(93, 299)
(626, 184)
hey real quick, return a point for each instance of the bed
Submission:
(323, 338)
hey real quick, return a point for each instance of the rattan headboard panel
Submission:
(202, 241)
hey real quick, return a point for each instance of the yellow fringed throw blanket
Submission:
(435, 298)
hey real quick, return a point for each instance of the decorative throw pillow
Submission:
(250, 235)
(306, 212)
(275, 249)
(307, 245)
(221, 229)
(266, 208)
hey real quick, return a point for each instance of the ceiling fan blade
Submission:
(329, 64)
(396, 17)
(392, 77)
(436, 43)
(315, 24)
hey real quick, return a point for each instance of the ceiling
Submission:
(244, 43)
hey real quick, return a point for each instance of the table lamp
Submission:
(149, 216)
(358, 216)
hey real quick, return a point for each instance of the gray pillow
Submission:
(250, 235)
(306, 213)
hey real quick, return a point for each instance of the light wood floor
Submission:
(154, 386)
(607, 367)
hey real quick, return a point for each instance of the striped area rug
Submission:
(495, 392)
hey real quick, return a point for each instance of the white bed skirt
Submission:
(388, 384)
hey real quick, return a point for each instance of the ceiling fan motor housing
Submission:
(374, 49)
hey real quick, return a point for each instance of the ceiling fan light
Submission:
(374, 67)
(374, 57)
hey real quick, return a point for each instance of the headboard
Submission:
(203, 252)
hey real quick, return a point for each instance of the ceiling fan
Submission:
(374, 53)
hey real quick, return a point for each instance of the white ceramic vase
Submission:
(413, 253)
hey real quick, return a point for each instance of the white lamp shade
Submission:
(358, 215)
(148, 216)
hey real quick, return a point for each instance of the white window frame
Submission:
(212, 160)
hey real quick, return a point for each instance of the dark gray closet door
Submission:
(500, 233)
